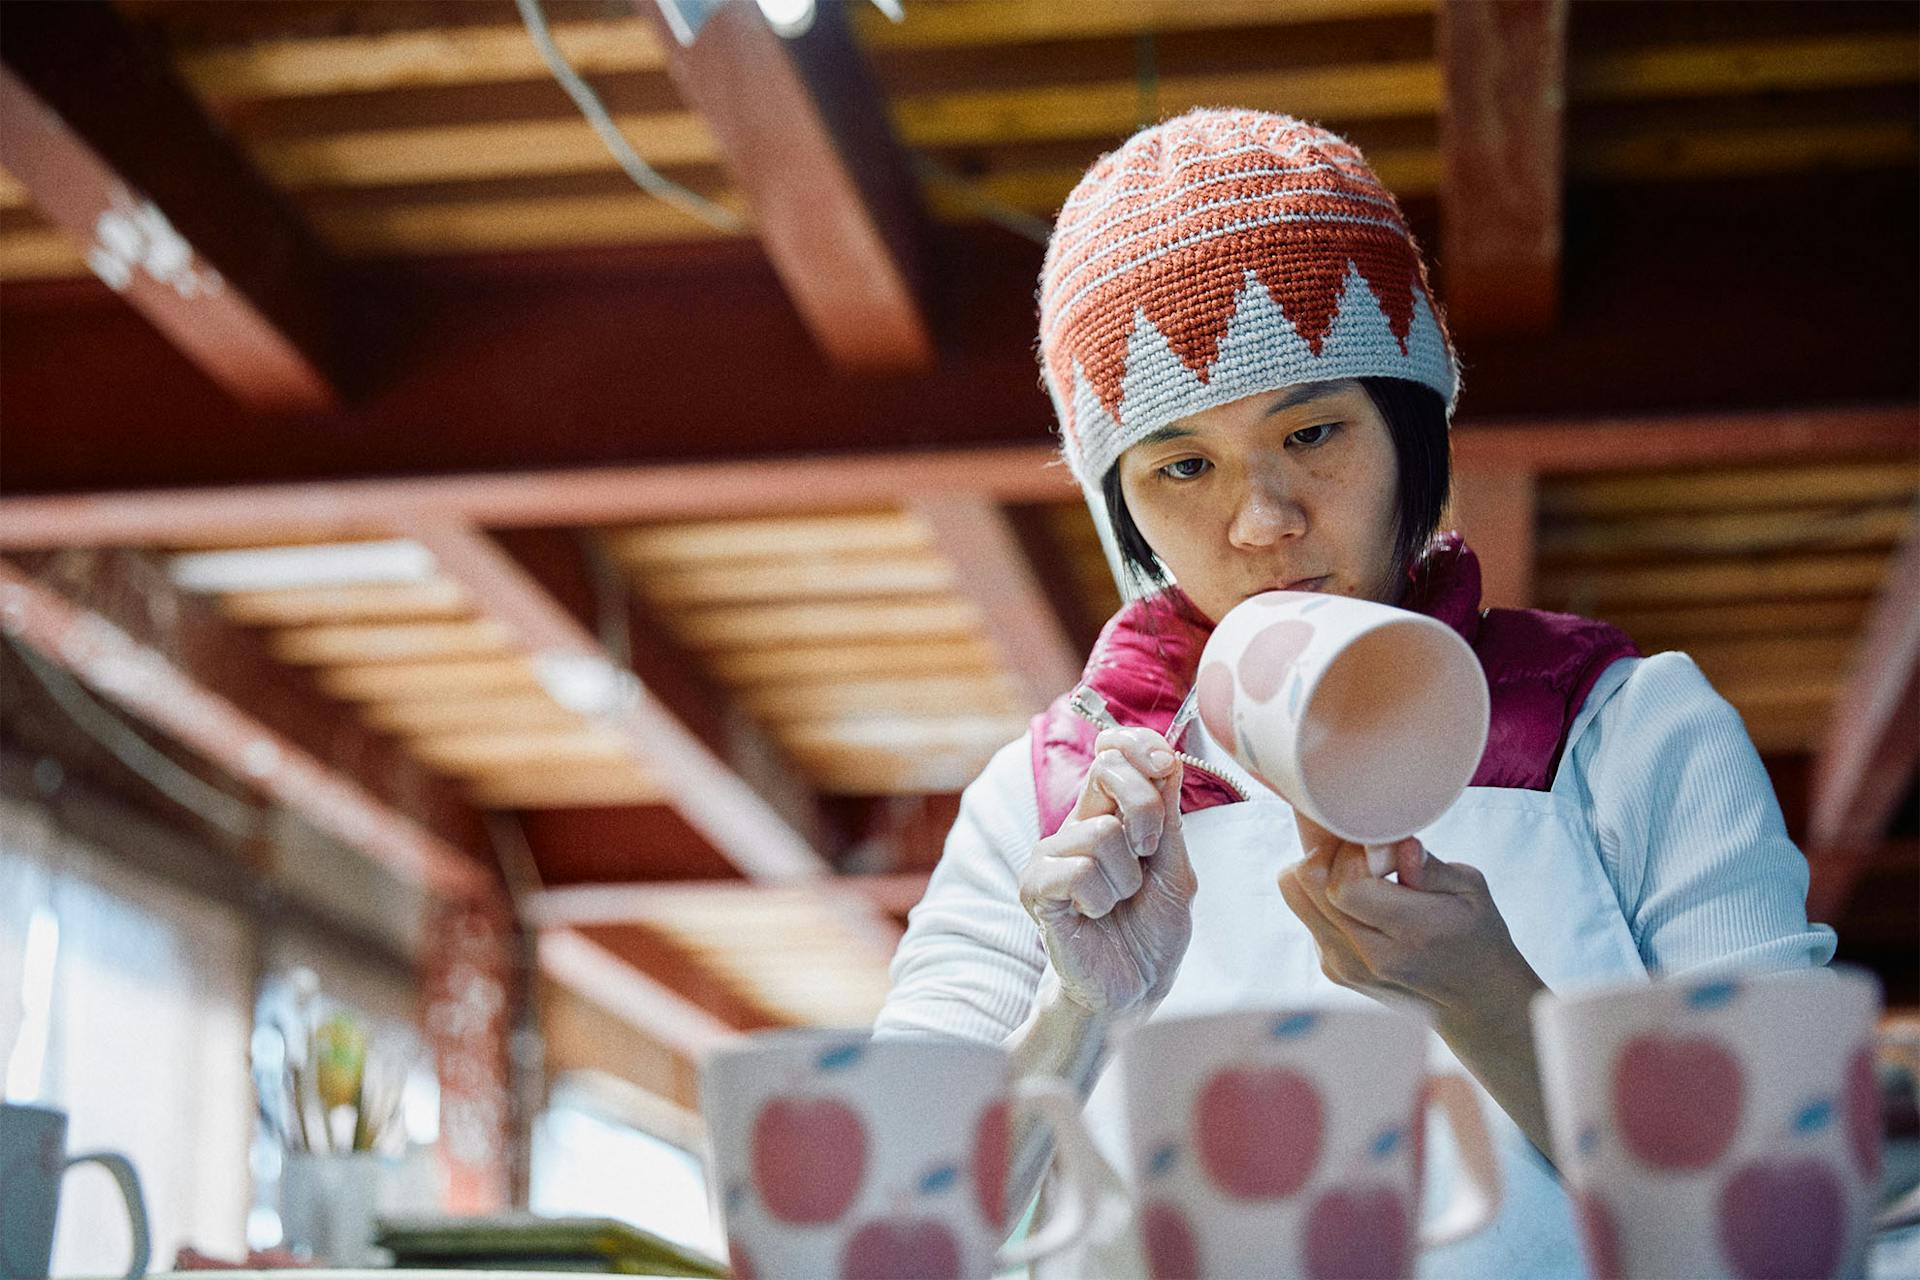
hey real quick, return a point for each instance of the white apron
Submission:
(1540, 856)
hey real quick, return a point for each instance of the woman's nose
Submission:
(1269, 513)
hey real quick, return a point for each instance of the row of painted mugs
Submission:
(1703, 1128)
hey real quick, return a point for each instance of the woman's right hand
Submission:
(1112, 890)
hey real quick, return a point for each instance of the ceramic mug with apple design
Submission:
(838, 1155)
(1370, 720)
(1720, 1127)
(1289, 1142)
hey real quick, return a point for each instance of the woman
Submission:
(1254, 389)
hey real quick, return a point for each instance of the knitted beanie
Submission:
(1219, 255)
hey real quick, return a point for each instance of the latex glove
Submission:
(1112, 890)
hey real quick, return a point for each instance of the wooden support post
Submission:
(991, 570)
(1502, 138)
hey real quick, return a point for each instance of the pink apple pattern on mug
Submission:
(1677, 1099)
(992, 1154)
(1172, 1253)
(1599, 1235)
(1216, 703)
(1784, 1220)
(900, 1247)
(1863, 1114)
(1258, 1130)
(1269, 657)
(1359, 1233)
(809, 1157)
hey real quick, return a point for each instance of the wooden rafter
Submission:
(571, 906)
(714, 799)
(581, 575)
(990, 569)
(617, 495)
(201, 682)
(95, 125)
(664, 1015)
(807, 136)
(1866, 760)
(1502, 138)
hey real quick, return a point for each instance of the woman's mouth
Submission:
(1299, 584)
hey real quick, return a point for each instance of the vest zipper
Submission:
(1087, 703)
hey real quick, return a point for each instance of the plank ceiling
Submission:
(409, 128)
(856, 640)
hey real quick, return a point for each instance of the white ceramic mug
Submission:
(1717, 1128)
(33, 1163)
(1368, 719)
(837, 1155)
(1289, 1143)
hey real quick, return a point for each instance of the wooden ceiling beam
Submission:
(168, 659)
(807, 135)
(1503, 143)
(1012, 474)
(612, 495)
(114, 148)
(591, 971)
(573, 667)
(992, 570)
(1869, 752)
(385, 61)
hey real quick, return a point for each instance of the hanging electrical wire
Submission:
(1002, 215)
(98, 722)
(644, 175)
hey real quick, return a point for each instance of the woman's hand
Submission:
(1112, 889)
(1437, 938)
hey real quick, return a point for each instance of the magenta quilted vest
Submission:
(1540, 667)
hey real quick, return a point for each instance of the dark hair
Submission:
(1416, 419)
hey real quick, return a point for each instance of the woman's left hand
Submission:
(1435, 936)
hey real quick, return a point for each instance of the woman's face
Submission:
(1293, 489)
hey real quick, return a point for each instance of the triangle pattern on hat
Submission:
(1261, 349)
(1096, 430)
(1361, 335)
(1157, 385)
(1427, 350)
(1307, 287)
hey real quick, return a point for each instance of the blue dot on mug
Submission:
(1589, 1141)
(1294, 1025)
(1164, 1157)
(736, 1196)
(1814, 1117)
(1387, 1143)
(1713, 995)
(840, 1057)
(939, 1179)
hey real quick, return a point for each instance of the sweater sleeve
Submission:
(972, 957)
(1690, 831)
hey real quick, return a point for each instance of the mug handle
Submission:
(1085, 1175)
(129, 1182)
(1476, 1197)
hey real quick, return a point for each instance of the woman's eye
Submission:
(1185, 469)
(1310, 436)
